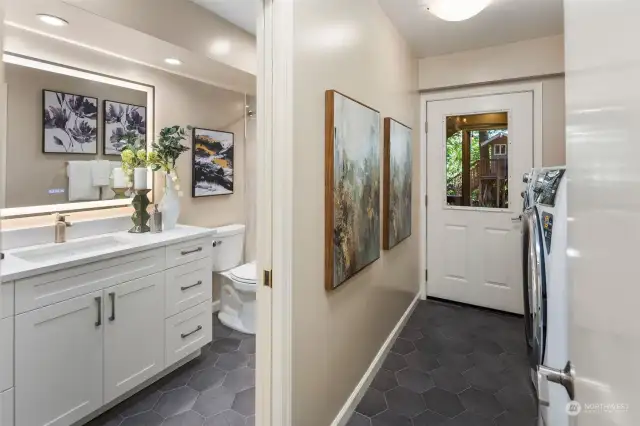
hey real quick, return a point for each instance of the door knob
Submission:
(516, 219)
(564, 377)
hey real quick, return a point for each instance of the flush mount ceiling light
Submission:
(221, 47)
(173, 61)
(52, 20)
(455, 10)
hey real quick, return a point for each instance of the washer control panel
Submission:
(546, 185)
(547, 229)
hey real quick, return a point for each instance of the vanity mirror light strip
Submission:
(17, 212)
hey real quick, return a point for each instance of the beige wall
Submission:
(30, 173)
(553, 122)
(336, 335)
(525, 59)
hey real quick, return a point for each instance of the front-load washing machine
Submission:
(544, 246)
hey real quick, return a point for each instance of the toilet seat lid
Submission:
(245, 273)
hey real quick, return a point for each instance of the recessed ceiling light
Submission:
(52, 20)
(221, 47)
(173, 61)
(455, 10)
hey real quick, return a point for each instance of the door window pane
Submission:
(478, 160)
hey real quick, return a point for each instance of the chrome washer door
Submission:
(535, 293)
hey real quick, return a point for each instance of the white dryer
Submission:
(545, 284)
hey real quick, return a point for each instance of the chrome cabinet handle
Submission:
(185, 335)
(185, 252)
(112, 296)
(99, 302)
(187, 287)
(217, 243)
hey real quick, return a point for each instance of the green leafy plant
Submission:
(133, 154)
(168, 148)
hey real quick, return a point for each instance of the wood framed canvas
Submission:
(70, 123)
(352, 185)
(397, 180)
(212, 163)
(120, 119)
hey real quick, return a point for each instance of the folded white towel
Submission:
(100, 172)
(80, 182)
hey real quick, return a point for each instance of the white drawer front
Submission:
(187, 286)
(6, 408)
(189, 251)
(6, 354)
(187, 332)
(43, 290)
(6, 299)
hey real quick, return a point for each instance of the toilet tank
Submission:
(228, 247)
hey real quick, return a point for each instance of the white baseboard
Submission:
(354, 399)
(215, 306)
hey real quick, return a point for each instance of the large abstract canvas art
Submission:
(352, 182)
(212, 163)
(70, 123)
(396, 206)
(120, 121)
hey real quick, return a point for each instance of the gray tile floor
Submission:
(452, 366)
(216, 389)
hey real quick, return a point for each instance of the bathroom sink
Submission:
(69, 249)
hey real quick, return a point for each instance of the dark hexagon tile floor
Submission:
(453, 366)
(217, 388)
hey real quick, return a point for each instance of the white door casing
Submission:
(58, 362)
(134, 334)
(474, 253)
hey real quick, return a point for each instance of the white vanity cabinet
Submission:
(90, 334)
(133, 334)
(58, 361)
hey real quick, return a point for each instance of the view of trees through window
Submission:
(486, 174)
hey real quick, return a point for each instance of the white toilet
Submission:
(239, 283)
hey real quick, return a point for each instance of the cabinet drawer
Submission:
(6, 354)
(6, 299)
(46, 289)
(187, 286)
(187, 332)
(6, 408)
(189, 251)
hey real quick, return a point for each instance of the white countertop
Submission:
(13, 268)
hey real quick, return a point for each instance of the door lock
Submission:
(564, 377)
(516, 219)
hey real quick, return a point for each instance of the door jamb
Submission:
(275, 207)
(536, 87)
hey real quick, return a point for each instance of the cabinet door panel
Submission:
(134, 334)
(58, 362)
(6, 353)
(188, 331)
(187, 286)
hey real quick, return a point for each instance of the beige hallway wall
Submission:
(351, 47)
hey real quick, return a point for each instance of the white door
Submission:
(478, 148)
(603, 204)
(134, 334)
(58, 362)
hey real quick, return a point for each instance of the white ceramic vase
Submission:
(170, 204)
(140, 178)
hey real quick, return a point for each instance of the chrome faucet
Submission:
(61, 225)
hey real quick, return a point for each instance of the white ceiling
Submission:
(504, 21)
(102, 36)
(243, 13)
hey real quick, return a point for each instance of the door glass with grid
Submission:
(477, 160)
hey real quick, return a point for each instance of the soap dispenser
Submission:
(156, 220)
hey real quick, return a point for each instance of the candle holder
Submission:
(121, 193)
(140, 215)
